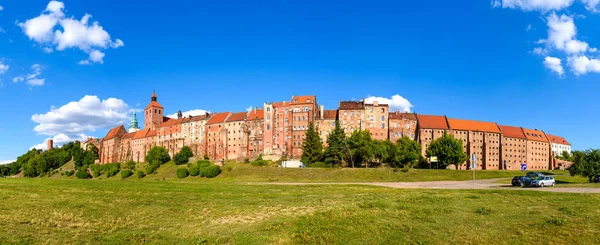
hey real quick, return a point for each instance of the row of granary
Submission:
(278, 129)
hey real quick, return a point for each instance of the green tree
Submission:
(448, 150)
(183, 156)
(406, 152)
(381, 150)
(158, 154)
(586, 163)
(334, 153)
(360, 147)
(94, 150)
(312, 147)
(564, 155)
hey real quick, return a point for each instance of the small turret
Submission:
(134, 123)
(179, 114)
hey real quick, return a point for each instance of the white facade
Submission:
(559, 148)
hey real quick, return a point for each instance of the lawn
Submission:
(70, 211)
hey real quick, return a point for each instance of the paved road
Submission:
(487, 184)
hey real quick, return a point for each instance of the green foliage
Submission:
(140, 174)
(448, 150)
(83, 174)
(247, 160)
(70, 173)
(35, 162)
(312, 147)
(206, 157)
(194, 170)
(259, 163)
(203, 163)
(260, 158)
(97, 169)
(317, 165)
(158, 154)
(210, 171)
(336, 147)
(130, 165)
(93, 150)
(111, 169)
(182, 173)
(126, 173)
(405, 152)
(586, 163)
(152, 167)
(360, 145)
(183, 156)
(565, 156)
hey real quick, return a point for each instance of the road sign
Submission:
(433, 159)
(523, 166)
(473, 161)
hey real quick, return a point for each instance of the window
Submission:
(268, 118)
(345, 113)
(268, 109)
(268, 127)
(382, 110)
(351, 113)
(382, 118)
(383, 125)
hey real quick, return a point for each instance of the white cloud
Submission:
(32, 78)
(554, 64)
(196, 112)
(3, 67)
(495, 3)
(540, 51)
(59, 140)
(396, 103)
(1, 8)
(18, 79)
(591, 5)
(562, 34)
(83, 116)
(7, 161)
(36, 81)
(581, 64)
(534, 5)
(47, 50)
(528, 28)
(53, 29)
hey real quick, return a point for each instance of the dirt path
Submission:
(487, 184)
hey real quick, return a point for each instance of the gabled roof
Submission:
(557, 139)
(113, 132)
(256, 115)
(403, 115)
(141, 133)
(238, 116)
(352, 105)
(154, 104)
(433, 122)
(199, 118)
(307, 99)
(171, 122)
(218, 118)
(512, 132)
(330, 114)
(128, 135)
(534, 134)
(280, 104)
(471, 125)
(151, 133)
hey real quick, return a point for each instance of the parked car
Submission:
(597, 179)
(521, 181)
(544, 181)
(535, 175)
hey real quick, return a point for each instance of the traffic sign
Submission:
(433, 159)
(473, 161)
(523, 166)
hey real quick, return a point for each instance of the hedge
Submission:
(140, 174)
(194, 171)
(210, 171)
(83, 174)
(126, 173)
(182, 173)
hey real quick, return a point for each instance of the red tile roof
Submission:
(352, 105)
(471, 125)
(433, 122)
(256, 115)
(151, 133)
(113, 132)
(218, 118)
(141, 134)
(171, 122)
(330, 114)
(199, 118)
(280, 104)
(128, 135)
(403, 115)
(512, 132)
(309, 99)
(238, 116)
(536, 135)
(557, 139)
(154, 104)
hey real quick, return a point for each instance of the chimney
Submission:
(322, 107)
(375, 103)
(50, 143)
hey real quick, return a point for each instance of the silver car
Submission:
(544, 181)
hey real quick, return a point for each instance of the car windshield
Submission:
(540, 178)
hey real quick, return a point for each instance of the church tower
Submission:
(153, 113)
(133, 126)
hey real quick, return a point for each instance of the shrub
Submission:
(180, 159)
(557, 221)
(186, 152)
(182, 173)
(152, 166)
(206, 157)
(247, 160)
(112, 169)
(140, 174)
(260, 162)
(318, 165)
(406, 168)
(97, 169)
(483, 211)
(126, 173)
(211, 171)
(203, 163)
(70, 173)
(130, 165)
(83, 174)
(158, 154)
(194, 171)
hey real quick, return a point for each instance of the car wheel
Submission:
(542, 185)
(553, 184)
(522, 185)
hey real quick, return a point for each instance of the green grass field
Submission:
(70, 211)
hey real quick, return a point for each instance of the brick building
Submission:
(479, 138)
(351, 115)
(430, 127)
(376, 118)
(402, 124)
(111, 145)
(303, 110)
(559, 144)
(254, 144)
(326, 124)
(216, 136)
(538, 149)
(513, 148)
(234, 138)
(193, 131)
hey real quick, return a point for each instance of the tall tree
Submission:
(335, 151)
(448, 150)
(312, 147)
(586, 163)
(360, 145)
(405, 152)
(381, 150)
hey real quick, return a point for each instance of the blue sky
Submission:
(516, 62)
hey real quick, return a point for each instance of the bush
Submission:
(130, 165)
(152, 167)
(247, 160)
(406, 168)
(211, 171)
(260, 162)
(97, 169)
(140, 174)
(182, 173)
(126, 173)
(158, 154)
(203, 163)
(83, 174)
(206, 157)
(194, 171)
(112, 169)
(318, 165)
(180, 159)
(70, 173)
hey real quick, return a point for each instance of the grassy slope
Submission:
(117, 212)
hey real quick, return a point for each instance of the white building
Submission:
(559, 144)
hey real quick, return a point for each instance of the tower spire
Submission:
(133, 127)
